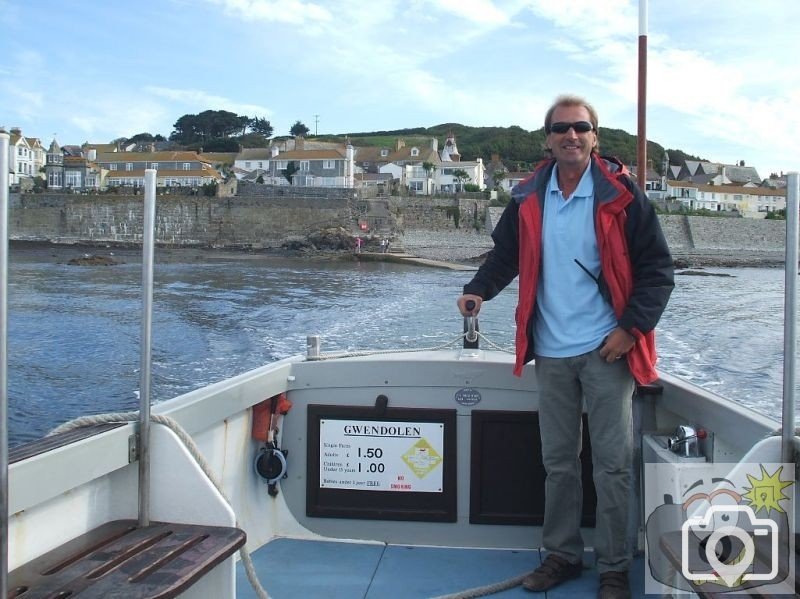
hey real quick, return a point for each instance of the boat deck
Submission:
(290, 568)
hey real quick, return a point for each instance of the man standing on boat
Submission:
(595, 275)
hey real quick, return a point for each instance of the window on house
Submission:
(415, 186)
(112, 167)
(187, 166)
(329, 164)
(73, 178)
(260, 165)
(247, 164)
(415, 151)
(281, 164)
(154, 165)
(129, 166)
(304, 165)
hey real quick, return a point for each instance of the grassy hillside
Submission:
(518, 149)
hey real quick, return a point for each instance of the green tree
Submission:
(146, 137)
(262, 126)
(220, 144)
(429, 168)
(207, 125)
(253, 140)
(497, 178)
(290, 170)
(461, 176)
(298, 129)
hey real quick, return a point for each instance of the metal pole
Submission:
(4, 138)
(641, 139)
(790, 318)
(147, 325)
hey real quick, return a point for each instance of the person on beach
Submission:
(595, 275)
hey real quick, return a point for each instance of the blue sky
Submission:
(723, 80)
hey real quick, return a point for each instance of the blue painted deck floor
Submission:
(292, 569)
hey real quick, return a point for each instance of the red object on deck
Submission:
(263, 413)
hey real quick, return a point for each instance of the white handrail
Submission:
(4, 141)
(148, 242)
(790, 318)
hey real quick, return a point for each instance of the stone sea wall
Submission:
(252, 220)
(181, 220)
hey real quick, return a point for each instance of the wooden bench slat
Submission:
(28, 450)
(120, 560)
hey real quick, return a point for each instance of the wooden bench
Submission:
(119, 560)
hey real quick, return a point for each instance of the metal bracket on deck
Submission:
(133, 448)
(381, 403)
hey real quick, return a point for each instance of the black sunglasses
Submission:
(579, 126)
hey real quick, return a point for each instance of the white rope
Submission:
(508, 350)
(187, 440)
(376, 352)
(489, 589)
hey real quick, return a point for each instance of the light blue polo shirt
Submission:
(572, 318)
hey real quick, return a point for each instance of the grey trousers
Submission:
(607, 390)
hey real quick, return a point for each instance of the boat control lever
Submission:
(470, 327)
(685, 441)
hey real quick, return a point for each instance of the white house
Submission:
(309, 165)
(407, 165)
(750, 202)
(21, 158)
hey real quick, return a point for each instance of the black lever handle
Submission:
(470, 327)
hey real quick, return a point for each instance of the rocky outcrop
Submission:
(93, 260)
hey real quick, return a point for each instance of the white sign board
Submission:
(368, 455)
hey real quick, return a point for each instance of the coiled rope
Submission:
(187, 440)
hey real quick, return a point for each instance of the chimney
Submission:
(434, 144)
(16, 131)
(399, 144)
(274, 151)
(91, 155)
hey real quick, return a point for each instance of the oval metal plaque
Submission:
(467, 396)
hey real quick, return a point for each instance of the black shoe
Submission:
(554, 570)
(614, 585)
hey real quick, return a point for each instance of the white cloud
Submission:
(481, 12)
(293, 12)
(199, 100)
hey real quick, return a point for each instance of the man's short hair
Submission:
(569, 100)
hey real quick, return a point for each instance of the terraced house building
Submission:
(175, 169)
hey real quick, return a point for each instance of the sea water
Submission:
(74, 331)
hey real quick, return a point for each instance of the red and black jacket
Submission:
(636, 266)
